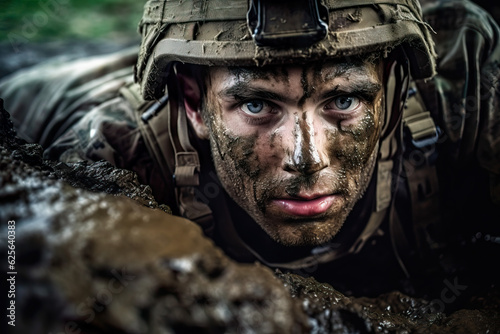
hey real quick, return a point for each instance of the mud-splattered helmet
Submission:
(261, 32)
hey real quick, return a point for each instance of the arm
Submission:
(468, 90)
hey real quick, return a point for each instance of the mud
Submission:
(96, 254)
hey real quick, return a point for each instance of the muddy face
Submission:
(295, 146)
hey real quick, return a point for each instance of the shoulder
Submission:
(467, 90)
(99, 133)
(453, 15)
(463, 32)
(44, 100)
(467, 83)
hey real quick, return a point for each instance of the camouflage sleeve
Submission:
(106, 132)
(47, 99)
(467, 43)
(109, 132)
(76, 111)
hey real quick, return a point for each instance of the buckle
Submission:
(187, 166)
(423, 130)
(427, 141)
(278, 23)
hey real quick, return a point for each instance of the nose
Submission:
(304, 157)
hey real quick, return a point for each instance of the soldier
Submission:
(355, 141)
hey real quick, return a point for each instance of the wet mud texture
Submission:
(96, 254)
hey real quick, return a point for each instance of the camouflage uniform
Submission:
(80, 112)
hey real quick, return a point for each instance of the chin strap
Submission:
(421, 138)
(419, 171)
(396, 88)
(187, 167)
(164, 127)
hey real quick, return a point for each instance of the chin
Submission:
(303, 233)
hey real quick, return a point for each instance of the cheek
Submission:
(353, 146)
(244, 154)
(252, 155)
(272, 149)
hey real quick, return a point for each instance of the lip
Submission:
(306, 206)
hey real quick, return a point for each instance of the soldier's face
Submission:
(295, 146)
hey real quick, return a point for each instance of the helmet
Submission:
(262, 32)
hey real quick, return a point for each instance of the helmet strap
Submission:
(396, 88)
(187, 162)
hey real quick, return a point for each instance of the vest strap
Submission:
(420, 169)
(164, 128)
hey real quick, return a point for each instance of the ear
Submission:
(192, 104)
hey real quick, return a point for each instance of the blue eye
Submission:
(258, 112)
(253, 107)
(344, 102)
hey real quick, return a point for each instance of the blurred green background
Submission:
(44, 20)
(34, 31)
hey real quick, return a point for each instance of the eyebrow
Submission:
(368, 90)
(361, 85)
(243, 91)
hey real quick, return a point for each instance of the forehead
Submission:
(318, 71)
